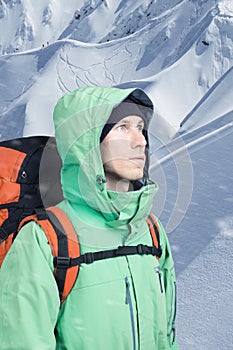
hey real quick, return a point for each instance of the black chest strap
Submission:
(88, 258)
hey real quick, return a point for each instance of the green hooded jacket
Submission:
(126, 303)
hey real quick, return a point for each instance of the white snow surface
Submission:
(181, 53)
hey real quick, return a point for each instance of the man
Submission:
(121, 303)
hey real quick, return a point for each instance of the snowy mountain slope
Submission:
(140, 56)
(169, 38)
(202, 243)
(25, 25)
(175, 25)
(218, 101)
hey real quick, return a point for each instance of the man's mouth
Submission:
(138, 159)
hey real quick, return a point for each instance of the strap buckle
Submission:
(3, 234)
(156, 251)
(122, 250)
(88, 258)
(61, 262)
(141, 249)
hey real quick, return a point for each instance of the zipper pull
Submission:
(127, 284)
(174, 335)
(158, 271)
(100, 181)
(174, 317)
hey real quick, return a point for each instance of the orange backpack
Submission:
(29, 179)
(26, 189)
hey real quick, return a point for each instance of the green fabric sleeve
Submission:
(29, 300)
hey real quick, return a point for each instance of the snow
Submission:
(181, 53)
(203, 248)
(218, 101)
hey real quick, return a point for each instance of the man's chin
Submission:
(135, 175)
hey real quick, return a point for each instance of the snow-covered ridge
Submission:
(211, 106)
(154, 43)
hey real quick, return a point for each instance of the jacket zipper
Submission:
(128, 301)
(171, 319)
(174, 316)
(158, 271)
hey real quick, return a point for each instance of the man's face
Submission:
(123, 150)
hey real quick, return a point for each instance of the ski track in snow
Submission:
(85, 76)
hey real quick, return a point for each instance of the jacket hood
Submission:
(79, 119)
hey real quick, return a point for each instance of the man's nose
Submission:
(138, 139)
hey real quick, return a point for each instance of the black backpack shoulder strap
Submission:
(64, 244)
(154, 231)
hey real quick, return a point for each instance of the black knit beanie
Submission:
(125, 108)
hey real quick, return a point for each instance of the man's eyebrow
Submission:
(127, 121)
(124, 120)
(141, 122)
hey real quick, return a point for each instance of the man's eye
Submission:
(121, 127)
(140, 127)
